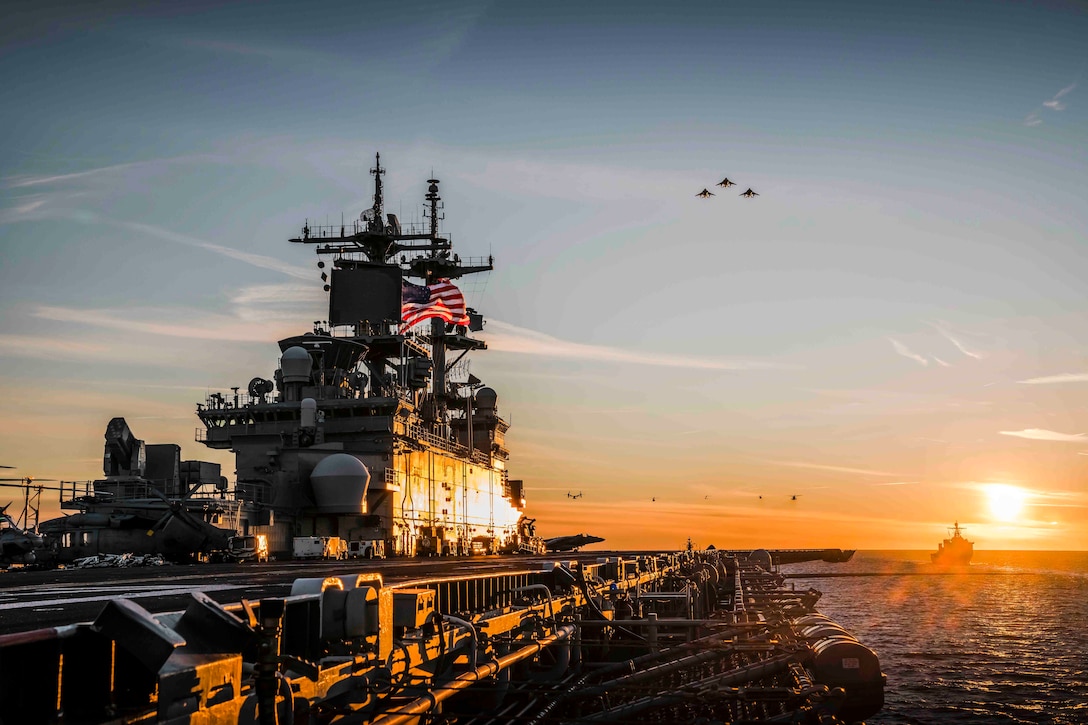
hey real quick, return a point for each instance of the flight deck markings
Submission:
(176, 591)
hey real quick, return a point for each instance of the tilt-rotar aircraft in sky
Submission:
(571, 543)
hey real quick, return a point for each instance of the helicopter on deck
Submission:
(17, 544)
(150, 502)
(21, 543)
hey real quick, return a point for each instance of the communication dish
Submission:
(259, 387)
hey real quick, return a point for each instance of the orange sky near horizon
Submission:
(727, 501)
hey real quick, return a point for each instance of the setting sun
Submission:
(1006, 502)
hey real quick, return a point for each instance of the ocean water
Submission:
(1004, 640)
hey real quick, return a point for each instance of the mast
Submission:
(378, 244)
(376, 172)
(438, 326)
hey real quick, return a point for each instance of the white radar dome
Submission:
(308, 415)
(296, 364)
(340, 482)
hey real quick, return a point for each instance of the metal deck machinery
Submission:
(682, 637)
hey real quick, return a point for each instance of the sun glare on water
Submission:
(1006, 502)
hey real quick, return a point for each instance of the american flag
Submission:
(441, 299)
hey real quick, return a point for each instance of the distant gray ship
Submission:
(955, 551)
(371, 428)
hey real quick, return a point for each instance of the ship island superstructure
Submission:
(954, 551)
(372, 428)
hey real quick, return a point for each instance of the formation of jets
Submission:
(725, 184)
(574, 495)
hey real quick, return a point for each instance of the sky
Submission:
(891, 337)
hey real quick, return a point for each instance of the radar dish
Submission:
(259, 387)
(367, 215)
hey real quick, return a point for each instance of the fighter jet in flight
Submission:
(749, 194)
(706, 193)
(574, 495)
(725, 183)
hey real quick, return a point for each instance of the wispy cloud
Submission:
(263, 51)
(1060, 378)
(1059, 499)
(49, 205)
(907, 352)
(127, 384)
(837, 469)
(30, 204)
(288, 293)
(31, 209)
(941, 362)
(256, 313)
(1032, 496)
(29, 180)
(895, 483)
(204, 326)
(51, 348)
(256, 260)
(960, 345)
(505, 337)
(1054, 103)
(1041, 434)
(22, 181)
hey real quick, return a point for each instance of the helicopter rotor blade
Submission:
(34, 485)
(161, 523)
(159, 494)
(189, 520)
(189, 494)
